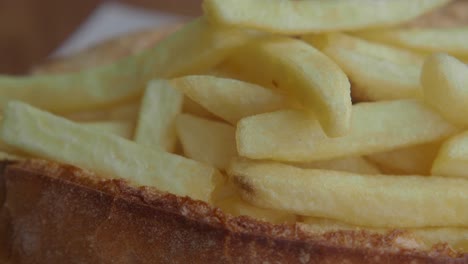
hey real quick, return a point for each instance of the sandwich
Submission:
(261, 132)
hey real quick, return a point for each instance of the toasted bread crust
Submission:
(62, 214)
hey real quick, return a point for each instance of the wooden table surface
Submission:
(31, 29)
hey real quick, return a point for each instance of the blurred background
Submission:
(32, 30)
(35, 31)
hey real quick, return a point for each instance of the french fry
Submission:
(224, 191)
(377, 72)
(218, 72)
(237, 207)
(349, 164)
(456, 237)
(7, 149)
(159, 108)
(407, 161)
(35, 132)
(324, 225)
(362, 46)
(207, 141)
(118, 128)
(196, 47)
(298, 17)
(128, 111)
(193, 108)
(445, 85)
(293, 136)
(429, 40)
(228, 98)
(464, 59)
(365, 200)
(452, 159)
(313, 80)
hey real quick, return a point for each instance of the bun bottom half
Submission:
(53, 213)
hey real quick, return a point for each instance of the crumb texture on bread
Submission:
(56, 213)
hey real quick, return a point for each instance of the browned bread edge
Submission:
(62, 214)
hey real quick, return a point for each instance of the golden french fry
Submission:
(7, 148)
(429, 40)
(362, 46)
(377, 72)
(456, 237)
(219, 72)
(119, 128)
(324, 225)
(128, 111)
(349, 164)
(445, 85)
(365, 200)
(159, 108)
(313, 80)
(196, 47)
(409, 160)
(35, 132)
(375, 127)
(452, 159)
(193, 108)
(296, 17)
(224, 191)
(207, 141)
(237, 207)
(228, 98)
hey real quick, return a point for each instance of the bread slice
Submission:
(62, 214)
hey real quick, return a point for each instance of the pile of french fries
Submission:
(324, 113)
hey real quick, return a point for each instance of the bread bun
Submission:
(62, 214)
(55, 213)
